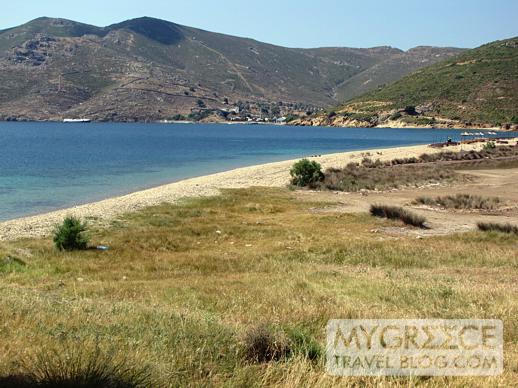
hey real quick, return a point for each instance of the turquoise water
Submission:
(48, 166)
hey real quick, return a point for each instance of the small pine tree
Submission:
(70, 235)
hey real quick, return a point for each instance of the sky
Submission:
(301, 23)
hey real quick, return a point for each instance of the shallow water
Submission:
(48, 166)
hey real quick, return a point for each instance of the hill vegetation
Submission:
(477, 88)
(150, 69)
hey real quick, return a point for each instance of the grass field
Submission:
(182, 285)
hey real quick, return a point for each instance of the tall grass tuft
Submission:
(461, 201)
(398, 213)
(79, 367)
(495, 227)
(263, 344)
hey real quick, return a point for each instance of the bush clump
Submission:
(306, 173)
(489, 146)
(398, 213)
(70, 235)
(495, 227)
(395, 116)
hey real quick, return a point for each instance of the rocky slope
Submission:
(477, 89)
(150, 69)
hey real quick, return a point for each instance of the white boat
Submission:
(466, 134)
(491, 133)
(77, 120)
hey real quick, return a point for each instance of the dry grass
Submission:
(398, 213)
(461, 201)
(494, 227)
(262, 344)
(356, 177)
(411, 172)
(183, 284)
(78, 366)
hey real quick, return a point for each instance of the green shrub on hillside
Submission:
(70, 235)
(291, 117)
(178, 117)
(306, 173)
(396, 116)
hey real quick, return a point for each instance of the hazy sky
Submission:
(301, 23)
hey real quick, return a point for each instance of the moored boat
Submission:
(77, 120)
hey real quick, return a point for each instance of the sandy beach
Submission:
(267, 175)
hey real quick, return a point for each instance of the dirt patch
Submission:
(501, 182)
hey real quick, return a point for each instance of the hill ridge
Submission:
(477, 88)
(152, 69)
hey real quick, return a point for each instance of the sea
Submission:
(49, 166)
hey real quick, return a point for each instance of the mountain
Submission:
(151, 69)
(478, 88)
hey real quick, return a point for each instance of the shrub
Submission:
(262, 344)
(419, 120)
(78, 367)
(306, 173)
(396, 116)
(178, 117)
(398, 213)
(410, 110)
(364, 116)
(494, 227)
(197, 116)
(70, 235)
(291, 117)
(489, 146)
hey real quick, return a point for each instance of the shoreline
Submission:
(295, 124)
(275, 174)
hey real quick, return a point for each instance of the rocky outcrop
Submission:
(33, 52)
(392, 119)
